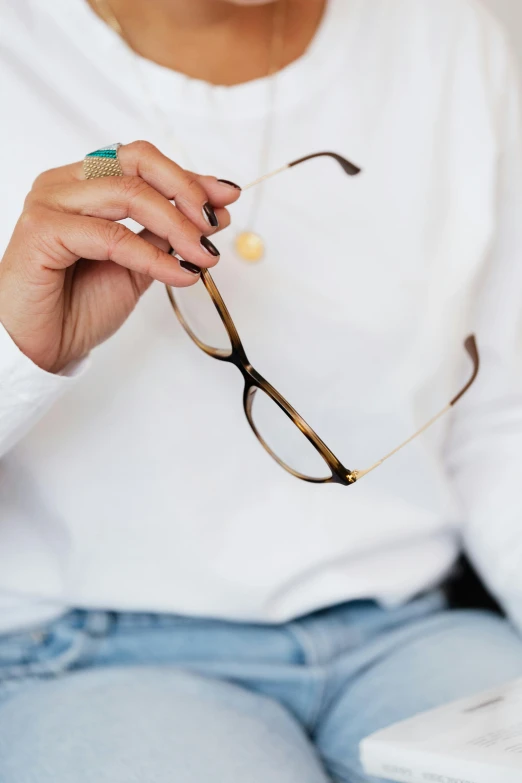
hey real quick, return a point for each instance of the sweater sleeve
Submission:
(27, 391)
(485, 448)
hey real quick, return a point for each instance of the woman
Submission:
(176, 605)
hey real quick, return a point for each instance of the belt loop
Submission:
(99, 623)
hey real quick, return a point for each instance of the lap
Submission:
(112, 724)
(119, 725)
(446, 656)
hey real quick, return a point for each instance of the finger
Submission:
(154, 239)
(224, 221)
(104, 240)
(221, 193)
(175, 183)
(141, 281)
(58, 176)
(196, 196)
(116, 198)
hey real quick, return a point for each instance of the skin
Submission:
(71, 274)
(217, 41)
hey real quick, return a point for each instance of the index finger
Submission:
(144, 160)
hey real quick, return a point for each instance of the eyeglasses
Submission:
(279, 428)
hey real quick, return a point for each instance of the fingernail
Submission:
(228, 182)
(192, 268)
(209, 215)
(207, 245)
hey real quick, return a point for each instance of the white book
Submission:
(474, 740)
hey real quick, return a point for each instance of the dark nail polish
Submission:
(192, 268)
(209, 247)
(209, 215)
(228, 182)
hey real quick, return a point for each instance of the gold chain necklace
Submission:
(249, 244)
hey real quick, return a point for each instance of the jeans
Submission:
(101, 697)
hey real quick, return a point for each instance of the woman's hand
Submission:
(71, 275)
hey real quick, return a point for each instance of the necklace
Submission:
(249, 244)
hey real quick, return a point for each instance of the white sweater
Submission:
(134, 482)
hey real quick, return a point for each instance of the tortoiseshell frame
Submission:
(254, 381)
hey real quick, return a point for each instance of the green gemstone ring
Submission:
(103, 163)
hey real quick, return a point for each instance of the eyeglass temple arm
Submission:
(348, 168)
(471, 347)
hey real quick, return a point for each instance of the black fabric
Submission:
(465, 590)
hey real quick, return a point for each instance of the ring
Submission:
(103, 163)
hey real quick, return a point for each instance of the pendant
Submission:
(250, 247)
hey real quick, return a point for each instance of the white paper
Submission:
(474, 740)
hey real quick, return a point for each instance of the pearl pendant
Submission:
(250, 247)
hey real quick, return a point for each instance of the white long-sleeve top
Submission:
(133, 481)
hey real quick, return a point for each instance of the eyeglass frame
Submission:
(254, 381)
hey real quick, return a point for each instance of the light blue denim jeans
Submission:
(99, 697)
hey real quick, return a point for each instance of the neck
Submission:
(213, 40)
(187, 17)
